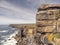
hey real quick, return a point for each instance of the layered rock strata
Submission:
(48, 23)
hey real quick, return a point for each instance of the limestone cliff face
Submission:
(49, 6)
(48, 18)
(23, 25)
(48, 23)
(25, 34)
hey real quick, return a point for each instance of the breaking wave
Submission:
(11, 40)
(7, 35)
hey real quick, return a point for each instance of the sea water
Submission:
(6, 35)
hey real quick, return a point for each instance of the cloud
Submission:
(50, 1)
(13, 14)
(39, 2)
(4, 20)
(15, 8)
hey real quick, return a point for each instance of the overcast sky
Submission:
(21, 11)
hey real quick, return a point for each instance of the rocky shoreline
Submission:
(25, 34)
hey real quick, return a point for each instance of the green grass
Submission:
(57, 35)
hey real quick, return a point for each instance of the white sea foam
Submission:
(3, 31)
(10, 40)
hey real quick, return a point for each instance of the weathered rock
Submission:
(48, 16)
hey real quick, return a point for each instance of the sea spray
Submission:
(11, 40)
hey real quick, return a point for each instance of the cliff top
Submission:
(23, 25)
(49, 6)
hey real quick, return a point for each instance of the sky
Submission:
(21, 11)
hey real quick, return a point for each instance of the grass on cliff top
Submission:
(57, 35)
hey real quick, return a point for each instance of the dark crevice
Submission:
(48, 8)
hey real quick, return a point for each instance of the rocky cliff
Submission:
(48, 23)
(46, 31)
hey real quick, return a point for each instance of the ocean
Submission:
(6, 33)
